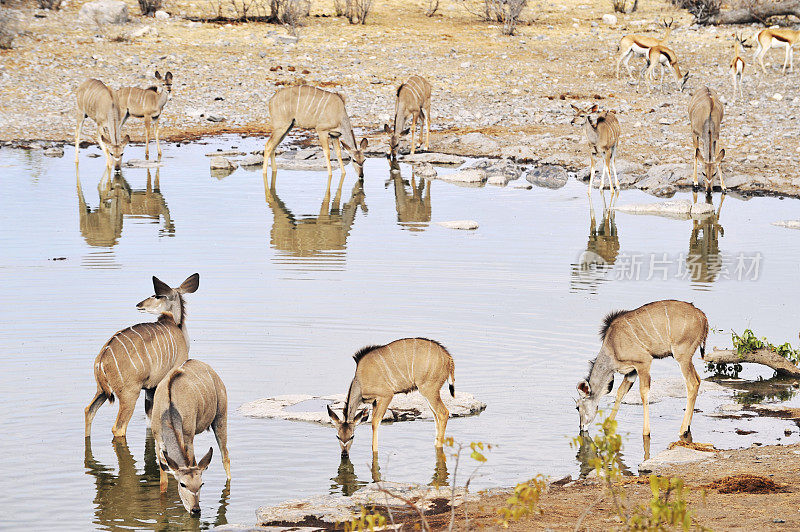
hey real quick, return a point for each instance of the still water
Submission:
(292, 282)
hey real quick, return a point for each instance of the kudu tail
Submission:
(452, 378)
(102, 381)
(705, 337)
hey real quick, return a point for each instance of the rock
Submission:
(224, 153)
(661, 389)
(522, 185)
(161, 15)
(736, 181)
(424, 170)
(284, 39)
(790, 224)
(330, 510)
(479, 144)
(465, 225)
(677, 455)
(54, 151)
(142, 163)
(497, 180)
(628, 173)
(680, 209)
(103, 12)
(221, 163)
(254, 159)
(548, 176)
(195, 113)
(519, 153)
(777, 97)
(663, 175)
(141, 32)
(609, 19)
(473, 176)
(404, 407)
(214, 118)
(504, 170)
(434, 158)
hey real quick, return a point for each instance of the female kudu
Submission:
(398, 367)
(631, 340)
(705, 116)
(190, 400)
(137, 358)
(602, 134)
(413, 100)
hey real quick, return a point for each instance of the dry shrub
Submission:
(746, 484)
(356, 11)
(49, 4)
(147, 7)
(431, 8)
(703, 10)
(506, 12)
(9, 28)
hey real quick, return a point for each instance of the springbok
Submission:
(705, 116)
(413, 100)
(631, 340)
(664, 58)
(102, 104)
(190, 400)
(137, 358)
(398, 367)
(148, 104)
(309, 107)
(774, 37)
(737, 66)
(639, 44)
(602, 134)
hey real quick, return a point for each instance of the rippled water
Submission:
(291, 286)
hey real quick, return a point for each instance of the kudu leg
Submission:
(591, 174)
(377, 416)
(148, 401)
(692, 386)
(644, 390)
(624, 386)
(278, 133)
(127, 403)
(158, 141)
(324, 140)
(91, 410)
(220, 428)
(413, 128)
(696, 144)
(78, 130)
(427, 127)
(440, 413)
(614, 166)
(147, 137)
(338, 147)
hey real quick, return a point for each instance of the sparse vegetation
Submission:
(147, 7)
(287, 12)
(620, 6)
(369, 520)
(748, 342)
(524, 501)
(506, 12)
(9, 28)
(667, 509)
(49, 4)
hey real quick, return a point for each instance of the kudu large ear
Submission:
(161, 288)
(190, 284)
(172, 464)
(158, 74)
(584, 389)
(363, 145)
(720, 155)
(594, 109)
(698, 154)
(126, 140)
(168, 77)
(204, 461)
(386, 129)
(361, 417)
(333, 415)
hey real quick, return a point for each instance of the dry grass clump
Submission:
(746, 484)
(707, 447)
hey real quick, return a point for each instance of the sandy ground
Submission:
(516, 90)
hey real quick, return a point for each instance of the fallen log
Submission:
(762, 356)
(757, 12)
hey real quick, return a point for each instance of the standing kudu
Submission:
(413, 100)
(705, 117)
(631, 340)
(102, 104)
(190, 400)
(602, 134)
(137, 358)
(639, 44)
(305, 106)
(148, 104)
(398, 367)
(737, 66)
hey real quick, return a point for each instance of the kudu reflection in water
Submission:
(704, 260)
(102, 227)
(413, 203)
(602, 248)
(130, 497)
(312, 235)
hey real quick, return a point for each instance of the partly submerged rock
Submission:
(434, 158)
(221, 163)
(548, 176)
(466, 225)
(674, 456)
(468, 176)
(253, 159)
(329, 510)
(142, 163)
(424, 170)
(224, 153)
(54, 151)
(790, 224)
(628, 173)
(680, 209)
(661, 389)
(404, 407)
(500, 171)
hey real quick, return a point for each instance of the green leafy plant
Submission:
(367, 520)
(748, 342)
(667, 510)
(524, 501)
(477, 449)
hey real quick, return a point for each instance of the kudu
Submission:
(137, 358)
(775, 37)
(704, 259)
(309, 107)
(413, 100)
(148, 104)
(631, 340)
(414, 205)
(640, 45)
(705, 117)
(664, 58)
(398, 367)
(602, 134)
(102, 104)
(190, 400)
(737, 66)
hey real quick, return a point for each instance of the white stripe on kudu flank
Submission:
(144, 344)
(133, 346)
(121, 380)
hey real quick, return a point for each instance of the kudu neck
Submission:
(602, 373)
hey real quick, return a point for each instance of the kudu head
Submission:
(190, 479)
(711, 166)
(357, 153)
(394, 140)
(588, 401)
(115, 149)
(168, 300)
(583, 117)
(165, 83)
(345, 429)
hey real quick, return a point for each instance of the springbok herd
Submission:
(184, 397)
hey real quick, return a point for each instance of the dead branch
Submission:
(757, 11)
(764, 357)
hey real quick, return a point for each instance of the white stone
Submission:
(609, 19)
(682, 209)
(221, 163)
(104, 12)
(424, 170)
(254, 159)
(161, 15)
(790, 224)
(777, 97)
(434, 158)
(677, 455)
(464, 225)
(142, 163)
(469, 175)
